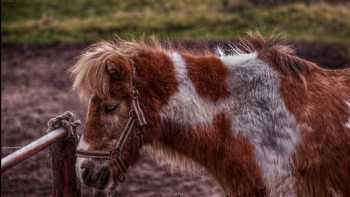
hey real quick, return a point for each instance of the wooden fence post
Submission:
(63, 157)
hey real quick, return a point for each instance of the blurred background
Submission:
(74, 21)
(41, 39)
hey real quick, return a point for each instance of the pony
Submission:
(260, 120)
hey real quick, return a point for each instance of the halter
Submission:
(136, 118)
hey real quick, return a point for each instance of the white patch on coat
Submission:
(259, 113)
(238, 58)
(347, 124)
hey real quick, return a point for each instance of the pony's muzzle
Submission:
(94, 176)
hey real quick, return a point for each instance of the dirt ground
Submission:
(35, 86)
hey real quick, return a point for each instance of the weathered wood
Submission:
(63, 158)
(32, 149)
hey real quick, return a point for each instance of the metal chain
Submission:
(11, 147)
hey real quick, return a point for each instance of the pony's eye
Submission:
(110, 108)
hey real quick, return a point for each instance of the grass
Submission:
(87, 20)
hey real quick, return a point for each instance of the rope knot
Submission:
(67, 120)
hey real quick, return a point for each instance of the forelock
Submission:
(89, 73)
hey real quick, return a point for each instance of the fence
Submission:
(62, 147)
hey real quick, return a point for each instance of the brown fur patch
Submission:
(155, 76)
(156, 82)
(322, 161)
(229, 159)
(208, 75)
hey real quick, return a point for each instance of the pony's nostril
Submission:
(87, 173)
(84, 173)
(87, 176)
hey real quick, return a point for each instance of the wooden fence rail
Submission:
(62, 151)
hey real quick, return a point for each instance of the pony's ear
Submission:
(115, 71)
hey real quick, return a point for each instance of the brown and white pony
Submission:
(260, 120)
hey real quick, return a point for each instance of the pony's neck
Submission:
(212, 147)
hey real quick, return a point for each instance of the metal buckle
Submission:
(114, 153)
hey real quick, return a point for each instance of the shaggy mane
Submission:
(90, 76)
